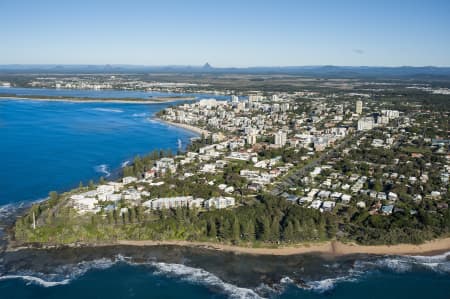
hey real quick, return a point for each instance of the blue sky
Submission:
(226, 33)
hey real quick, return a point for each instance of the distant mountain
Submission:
(327, 71)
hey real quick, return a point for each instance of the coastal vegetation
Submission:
(265, 220)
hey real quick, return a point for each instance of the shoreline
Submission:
(184, 126)
(158, 100)
(333, 248)
(328, 248)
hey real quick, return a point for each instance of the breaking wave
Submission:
(36, 280)
(9, 211)
(320, 286)
(63, 275)
(103, 168)
(324, 285)
(362, 268)
(196, 275)
(401, 264)
(125, 163)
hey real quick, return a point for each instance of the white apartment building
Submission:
(219, 202)
(366, 123)
(280, 138)
(359, 107)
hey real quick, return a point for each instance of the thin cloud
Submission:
(358, 51)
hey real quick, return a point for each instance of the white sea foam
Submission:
(73, 271)
(8, 211)
(108, 110)
(125, 163)
(402, 264)
(36, 280)
(7, 208)
(328, 284)
(438, 263)
(62, 275)
(286, 280)
(397, 264)
(323, 285)
(66, 273)
(431, 259)
(103, 168)
(201, 276)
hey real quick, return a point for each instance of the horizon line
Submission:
(207, 65)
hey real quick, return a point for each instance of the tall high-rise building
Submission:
(359, 106)
(280, 138)
(284, 107)
(251, 139)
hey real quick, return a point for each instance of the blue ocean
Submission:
(55, 145)
(49, 146)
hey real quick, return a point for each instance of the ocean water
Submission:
(54, 145)
(48, 146)
(396, 278)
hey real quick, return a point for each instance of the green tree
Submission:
(236, 233)
(263, 232)
(211, 229)
(288, 232)
(378, 186)
(53, 198)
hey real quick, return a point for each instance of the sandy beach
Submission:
(94, 100)
(332, 248)
(185, 126)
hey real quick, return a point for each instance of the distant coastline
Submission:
(155, 100)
